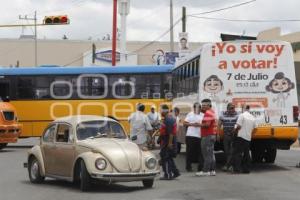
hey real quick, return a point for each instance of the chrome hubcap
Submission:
(34, 169)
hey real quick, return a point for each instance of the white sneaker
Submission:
(201, 173)
(213, 173)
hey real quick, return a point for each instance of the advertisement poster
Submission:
(260, 74)
(171, 57)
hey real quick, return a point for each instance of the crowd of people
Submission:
(202, 131)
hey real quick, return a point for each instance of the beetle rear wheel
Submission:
(34, 171)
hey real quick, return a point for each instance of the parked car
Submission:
(83, 148)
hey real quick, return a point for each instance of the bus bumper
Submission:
(277, 137)
(10, 133)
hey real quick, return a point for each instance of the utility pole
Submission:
(35, 35)
(183, 19)
(114, 34)
(171, 27)
(35, 40)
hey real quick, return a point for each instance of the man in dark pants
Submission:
(244, 128)
(168, 147)
(193, 137)
(228, 120)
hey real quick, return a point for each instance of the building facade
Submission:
(21, 52)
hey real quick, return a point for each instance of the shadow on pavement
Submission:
(7, 150)
(96, 187)
(220, 158)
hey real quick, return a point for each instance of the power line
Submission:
(247, 20)
(207, 12)
(77, 59)
(225, 8)
(158, 38)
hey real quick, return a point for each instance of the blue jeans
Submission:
(167, 162)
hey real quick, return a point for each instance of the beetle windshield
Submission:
(99, 129)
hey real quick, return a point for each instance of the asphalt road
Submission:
(275, 182)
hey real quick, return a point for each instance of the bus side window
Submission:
(42, 90)
(25, 87)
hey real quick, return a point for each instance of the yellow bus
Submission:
(258, 73)
(41, 94)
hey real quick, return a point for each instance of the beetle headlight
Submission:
(151, 163)
(100, 164)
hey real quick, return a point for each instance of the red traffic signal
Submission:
(54, 20)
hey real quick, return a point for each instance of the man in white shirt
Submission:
(139, 126)
(154, 118)
(193, 137)
(244, 128)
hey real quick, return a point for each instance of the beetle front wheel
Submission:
(3, 145)
(148, 183)
(85, 178)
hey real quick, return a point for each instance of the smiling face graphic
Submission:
(213, 86)
(280, 85)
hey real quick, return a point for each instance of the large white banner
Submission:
(260, 74)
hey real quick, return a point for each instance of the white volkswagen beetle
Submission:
(83, 148)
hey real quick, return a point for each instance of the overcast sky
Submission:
(148, 19)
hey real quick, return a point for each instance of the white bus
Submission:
(258, 73)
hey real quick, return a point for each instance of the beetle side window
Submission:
(49, 134)
(63, 133)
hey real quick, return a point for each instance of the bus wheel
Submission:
(3, 145)
(257, 155)
(270, 155)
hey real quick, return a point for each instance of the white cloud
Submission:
(149, 19)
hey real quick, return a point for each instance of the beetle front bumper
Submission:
(124, 177)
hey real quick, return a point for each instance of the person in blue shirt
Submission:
(228, 120)
(168, 148)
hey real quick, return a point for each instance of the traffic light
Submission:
(56, 20)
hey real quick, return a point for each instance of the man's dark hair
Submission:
(207, 101)
(247, 107)
(141, 107)
(165, 108)
(230, 105)
(197, 105)
(176, 109)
